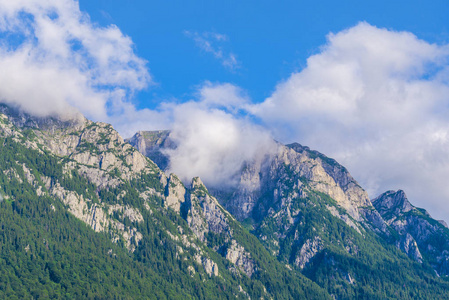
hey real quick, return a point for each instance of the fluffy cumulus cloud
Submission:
(55, 61)
(376, 100)
(214, 140)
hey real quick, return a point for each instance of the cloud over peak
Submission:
(214, 139)
(377, 101)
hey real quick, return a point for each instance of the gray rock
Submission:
(419, 235)
(308, 250)
(152, 144)
(175, 193)
(236, 254)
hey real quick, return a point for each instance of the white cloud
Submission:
(376, 100)
(212, 42)
(226, 96)
(55, 61)
(214, 143)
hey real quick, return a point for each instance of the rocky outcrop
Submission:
(408, 244)
(392, 202)
(175, 193)
(419, 235)
(295, 167)
(210, 267)
(308, 250)
(345, 218)
(152, 144)
(204, 212)
(275, 192)
(236, 254)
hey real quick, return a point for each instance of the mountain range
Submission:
(88, 214)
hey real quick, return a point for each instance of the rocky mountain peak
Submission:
(50, 123)
(152, 144)
(418, 234)
(197, 183)
(392, 201)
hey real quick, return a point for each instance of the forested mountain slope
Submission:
(85, 215)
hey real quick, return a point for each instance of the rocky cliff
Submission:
(151, 144)
(418, 235)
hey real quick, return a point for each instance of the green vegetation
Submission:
(46, 253)
(49, 254)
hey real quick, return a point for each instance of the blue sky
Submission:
(364, 82)
(269, 39)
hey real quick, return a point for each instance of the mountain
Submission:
(151, 144)
(311, 214)
(417, 234)
(85, 215)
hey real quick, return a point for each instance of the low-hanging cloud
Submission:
(376, 100)
(214, 140)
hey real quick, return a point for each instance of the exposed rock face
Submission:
(308, 250)
(301, 165)
(204, 214)
(175, 193)
(344, 217)
(392, 202)
(420, 235)
(408, 244)
(151, 144)
(210, 267)
(93, 150)
(275, 192)
(241, 258)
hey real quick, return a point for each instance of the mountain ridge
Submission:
(296, 172)
(419, 234)
(113, 189)
(304, 230)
